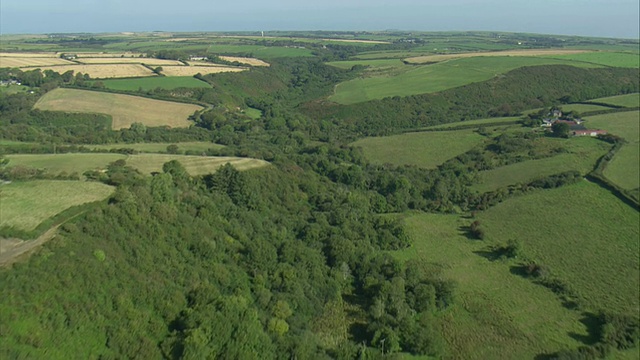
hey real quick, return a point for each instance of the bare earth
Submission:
(11, 250)
(527, 52)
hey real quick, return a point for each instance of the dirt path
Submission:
(11, 250)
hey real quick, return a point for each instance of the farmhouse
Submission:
(589, 132)
(197, 58)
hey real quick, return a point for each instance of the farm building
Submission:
(197, 58)
(589, 132)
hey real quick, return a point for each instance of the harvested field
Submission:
(244, 60)
(25, 205)
(195, 165)
(124, 109)
(31, 61)
(105, 71)
(532, 52)
(193, 70)
(126, 60)
(83, 55)
(30, 54)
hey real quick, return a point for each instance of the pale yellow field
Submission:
(104, 71)
(124, 109)
(195, 165)
(525, 52)
(32, 61)
(128, 60)
(192, 70)
(244, 60)
(82, 55)
(30, 54)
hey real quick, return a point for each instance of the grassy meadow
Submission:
(478, 122)
(69, 163)
(195, 165)
(150, 83)
(413, 80)
(491, 319)
(624, 168)
(582, 155)
(424, 149)
(627, 100)
(24, 205)
(124, 109)
(614, 59)
(583, 234)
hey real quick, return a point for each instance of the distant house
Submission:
(556, 113)
(197, 58)
(589, 132)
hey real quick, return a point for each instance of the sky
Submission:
(603, 18)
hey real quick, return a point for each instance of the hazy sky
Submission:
(608, 18)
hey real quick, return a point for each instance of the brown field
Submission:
(124, 109)
(32, 61)
(244, 60)
(128, 60)
(30, 54)
(104, 71)
(192, 70)
(525, 52)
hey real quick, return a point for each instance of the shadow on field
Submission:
(593, 324)
(490, 253)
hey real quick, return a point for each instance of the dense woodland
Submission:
(291, 261)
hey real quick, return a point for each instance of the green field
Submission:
(628, 100)
(424, 149)
(583, 108)
(422, 79)
(478, 122)
(161, 147)
(124, 109)
(150, 83)
(145, 163)
(69, 163)
(13, 89)
(615, 59)
(24, 205)
(497, 315)
(373, 64)
(583, 234)
(583, 154)
(624, 169)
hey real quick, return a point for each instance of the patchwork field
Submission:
(583, 234)
(104, 71)
(245, 60)
(150, 83)
(145, 163)
(582, 156)
(31, 61)
(624, 169)
(413, 80)
(527, 52)
(193, 70)
(24, 205)
(491, 319)
(127, 60)
(628, 100)
(124, 109)
(424, 149)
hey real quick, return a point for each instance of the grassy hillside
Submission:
(413, 80)
(124, 109)
(583, 234)
(161, 147)
(424, 149)
(628, 100)
(624, 169)
(24, 205)
(615, 59)
(493, 319)
(69, 163)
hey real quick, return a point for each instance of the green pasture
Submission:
(151, 83)
(583, 108)
(69, 163)
(145, 163)
(614, 59)
(24, 205)
(582, 155)
(497, 315)
(372, 64)
(13, 89)
(624, 168)
(627, 100)
(424, 149)
(436, 77)
(160, 147)
(478, 122)
(253, 113)
(584, 235)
